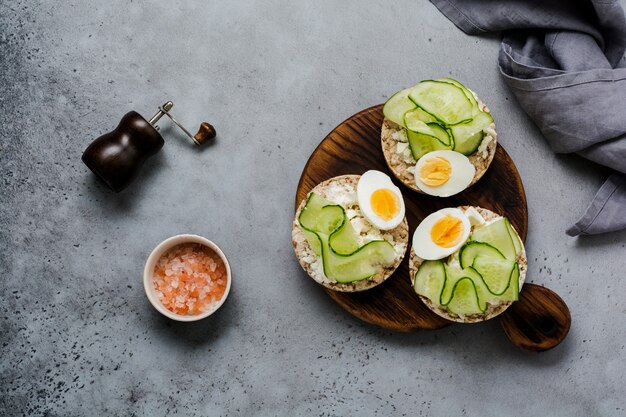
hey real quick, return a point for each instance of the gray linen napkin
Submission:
(559, 58)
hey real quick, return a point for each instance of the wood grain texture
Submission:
(354, 147)
(539, 321)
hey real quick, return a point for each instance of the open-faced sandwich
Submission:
(467, 264)
(350, 233)
(438, 137)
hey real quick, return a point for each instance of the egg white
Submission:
(425, 248)
(369, 182)
(461, 175)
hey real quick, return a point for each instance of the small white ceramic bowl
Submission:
(148, 272)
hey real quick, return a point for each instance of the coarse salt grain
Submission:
(189, 279)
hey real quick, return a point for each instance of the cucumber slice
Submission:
(430, 279)
(453, 274)
(417, 114)
(421, 144)
(445, 101)
(442, 134)
(484, 295)
(497, 235)
(468, 136)
(466, 91)
(319, 216)
(345, 239)
(314, 242)
(440, 283)
(494, 268)
(472, 250)
(362, 264)
(465, 299)
(467, 144)
(484, 277)
(514, 237)
(313, 217)
(511, 293)
(331, 236)
(496, 273)
(397, 105)
(414, 124)
(436, 139)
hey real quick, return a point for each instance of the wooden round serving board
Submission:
(354, 147)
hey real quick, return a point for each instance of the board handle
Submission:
(539, 321)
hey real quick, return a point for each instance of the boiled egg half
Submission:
(441, 234)
(443, 173)
(380, 200)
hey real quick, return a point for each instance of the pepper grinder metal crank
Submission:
(117, 156)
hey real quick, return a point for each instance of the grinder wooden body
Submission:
(116, 157)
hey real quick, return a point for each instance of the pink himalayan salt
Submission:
(189, 278)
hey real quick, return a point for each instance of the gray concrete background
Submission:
(77, 334)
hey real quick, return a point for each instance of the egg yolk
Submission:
(435, 171)
(447, 231)
(385, 203)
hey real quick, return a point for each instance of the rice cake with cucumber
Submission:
(437, 115)
(467, 264)
(350, 233)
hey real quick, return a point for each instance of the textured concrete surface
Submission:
(77, 334)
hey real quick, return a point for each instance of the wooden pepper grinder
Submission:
(117, 156)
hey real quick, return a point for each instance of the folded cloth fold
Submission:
(560, 58)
